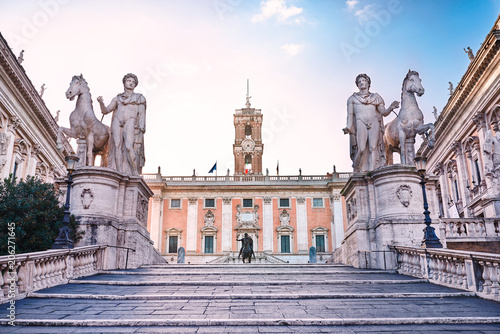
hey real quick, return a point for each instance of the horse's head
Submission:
(413, 84)
(77, 86)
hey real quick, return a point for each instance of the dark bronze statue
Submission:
(246, 248)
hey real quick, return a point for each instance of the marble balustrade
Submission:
(477, 272)
(40, 270)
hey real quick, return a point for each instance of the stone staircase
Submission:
(252, 298)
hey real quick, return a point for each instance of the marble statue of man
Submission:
(491, 150)
(365, 125)
(128, 125)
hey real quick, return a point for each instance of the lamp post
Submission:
(430, 239)
(63, 240)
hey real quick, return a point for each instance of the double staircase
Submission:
(252, 298)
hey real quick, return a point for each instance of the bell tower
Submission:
(248, 147)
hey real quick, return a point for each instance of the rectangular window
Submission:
(175, 203)
(478, 174)
(247, 203)
(172, 244)
(15, 168)
(285, 244)
(317, 202)
(209, 203)
(320, 243)
(284, 202)
(209, 244)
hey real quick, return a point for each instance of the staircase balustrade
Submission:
(477, 272)
(35, 271)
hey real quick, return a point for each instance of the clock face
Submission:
(248, 145)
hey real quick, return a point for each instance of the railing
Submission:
(471, 228)
(335, 177)
(35, 271)
(478, 272)
(260, 257)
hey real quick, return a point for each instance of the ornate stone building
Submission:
(464, 166)
(28, 131)
(284, 215)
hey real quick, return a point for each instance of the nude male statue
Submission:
(365, 125)
(128, 126)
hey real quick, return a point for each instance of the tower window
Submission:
(248, 159)
(248, 130)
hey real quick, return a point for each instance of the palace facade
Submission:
(28, 131)
(284, 215)
(464, 165)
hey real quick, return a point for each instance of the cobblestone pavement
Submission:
(253, 299)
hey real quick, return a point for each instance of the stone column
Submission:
(227, 228)
(338, 220)
(267, 224)
(302, 233)
(192, 219)
(156, 222)
(462, 175)
(480, 121)
(81, 152)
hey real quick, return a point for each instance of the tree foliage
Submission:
(37, 215)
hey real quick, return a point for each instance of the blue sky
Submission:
(193, 57)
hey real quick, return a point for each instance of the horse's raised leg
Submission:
(68, 132)
(422, 129)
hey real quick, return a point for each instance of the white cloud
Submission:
(292, 49)
(365, 13)
(278, 9)
(351, 3)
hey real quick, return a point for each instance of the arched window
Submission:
(248, 130)
(248, 159)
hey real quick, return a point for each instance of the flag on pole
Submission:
(213, 168)
(278, 168)
(248, 168)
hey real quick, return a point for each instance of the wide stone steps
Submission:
(253, 299)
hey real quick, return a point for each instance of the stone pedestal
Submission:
(384, 207)
(112, 209)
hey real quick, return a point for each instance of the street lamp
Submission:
(63, 240)
(430, 239)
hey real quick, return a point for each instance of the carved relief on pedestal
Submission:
(352, 210)
(404, 194)
(87, 197)
(142, 208)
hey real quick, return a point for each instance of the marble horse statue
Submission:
(84, 124)
(399, 134)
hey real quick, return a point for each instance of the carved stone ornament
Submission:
(352, 210)
(142, 208)
(334, 197)
(247, 219)
(284, 217)
(193, 200)
(267, 200)
(209, 218)
(157, 198)
(226, 200)
(87, 197)
(404, 194)
(4, 143)
(301, 200)
(479, 120)
(15, 122)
